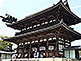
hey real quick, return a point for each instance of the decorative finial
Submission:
(66, 4)
(65, 1)
(60, 0)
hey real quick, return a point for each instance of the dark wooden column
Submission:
(30, 50)
(18, 49)
(57, 48)
(69, 53)
(38, 46)
(64, 47)
(47, 48)
(64, 42)
(70, 42)
(23, 47)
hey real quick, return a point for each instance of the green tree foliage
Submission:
(5, 45)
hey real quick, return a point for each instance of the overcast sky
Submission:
(23, 8)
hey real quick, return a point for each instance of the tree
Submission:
(5, 45)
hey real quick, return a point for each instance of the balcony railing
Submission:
(40, 59)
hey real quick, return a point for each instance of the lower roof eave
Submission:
(12, 39)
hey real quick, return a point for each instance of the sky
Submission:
(22, 8)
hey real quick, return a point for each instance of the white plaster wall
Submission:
(72, 53)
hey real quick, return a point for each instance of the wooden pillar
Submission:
(64, 43)
(70, 42)
(69, 53)
(38, 46)
(47, 49)
(30, 50)
(23, 47)
(18, 49)
(57, 48)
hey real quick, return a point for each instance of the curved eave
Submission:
(12, 39)
(15, 25)
(70, 12)
(33, 32)
(38, 13)
(73, 31)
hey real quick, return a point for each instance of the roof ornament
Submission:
(9, 19)
(60, 0)
(66, 4)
